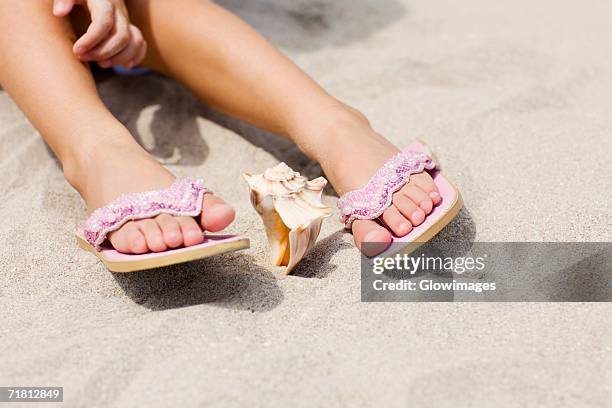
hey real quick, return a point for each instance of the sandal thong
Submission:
(183, 198)
(369, 202)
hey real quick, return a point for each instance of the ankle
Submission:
(331, 124)
(86, 158)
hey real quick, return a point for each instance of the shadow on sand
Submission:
(307, 25)
(317, 263)
(159, 113)
(231, 280)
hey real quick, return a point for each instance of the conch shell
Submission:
(291, 209)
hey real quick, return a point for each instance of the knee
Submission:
(16, 7)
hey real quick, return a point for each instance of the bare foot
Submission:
(113, 170)
(350, 152)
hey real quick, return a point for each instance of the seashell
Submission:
(291, 209)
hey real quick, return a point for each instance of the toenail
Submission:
(374, 236)
(434, 195)
(417, 215)
(218, 207)
(426, 205)
(405, 226)
(194, 234)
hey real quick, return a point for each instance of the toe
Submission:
(152, 234)
(418, 196)
(131, 239)
(396, 222)
(216, 214)
(409, 209)
(120, 239)
(370, 237)
(192, 233)
(426, 183)
(171, 230)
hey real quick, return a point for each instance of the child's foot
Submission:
(110, 172)
(350, 153)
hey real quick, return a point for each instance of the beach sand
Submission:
(514, 97)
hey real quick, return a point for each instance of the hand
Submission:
(110, 39)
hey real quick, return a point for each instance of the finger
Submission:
(141, 55)
(118, 39)
(102, 22)
(132, 54)
(62, 8)
(127, 58)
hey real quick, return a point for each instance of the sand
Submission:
(515, 99)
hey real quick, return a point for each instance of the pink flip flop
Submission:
(372, 200)
(183, 198)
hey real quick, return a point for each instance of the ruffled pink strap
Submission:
(371, 201)
(183, 198)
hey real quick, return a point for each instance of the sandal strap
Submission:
(371, 201)
(183, 198)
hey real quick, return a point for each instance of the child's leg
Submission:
(99, 156)
(231, 67)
